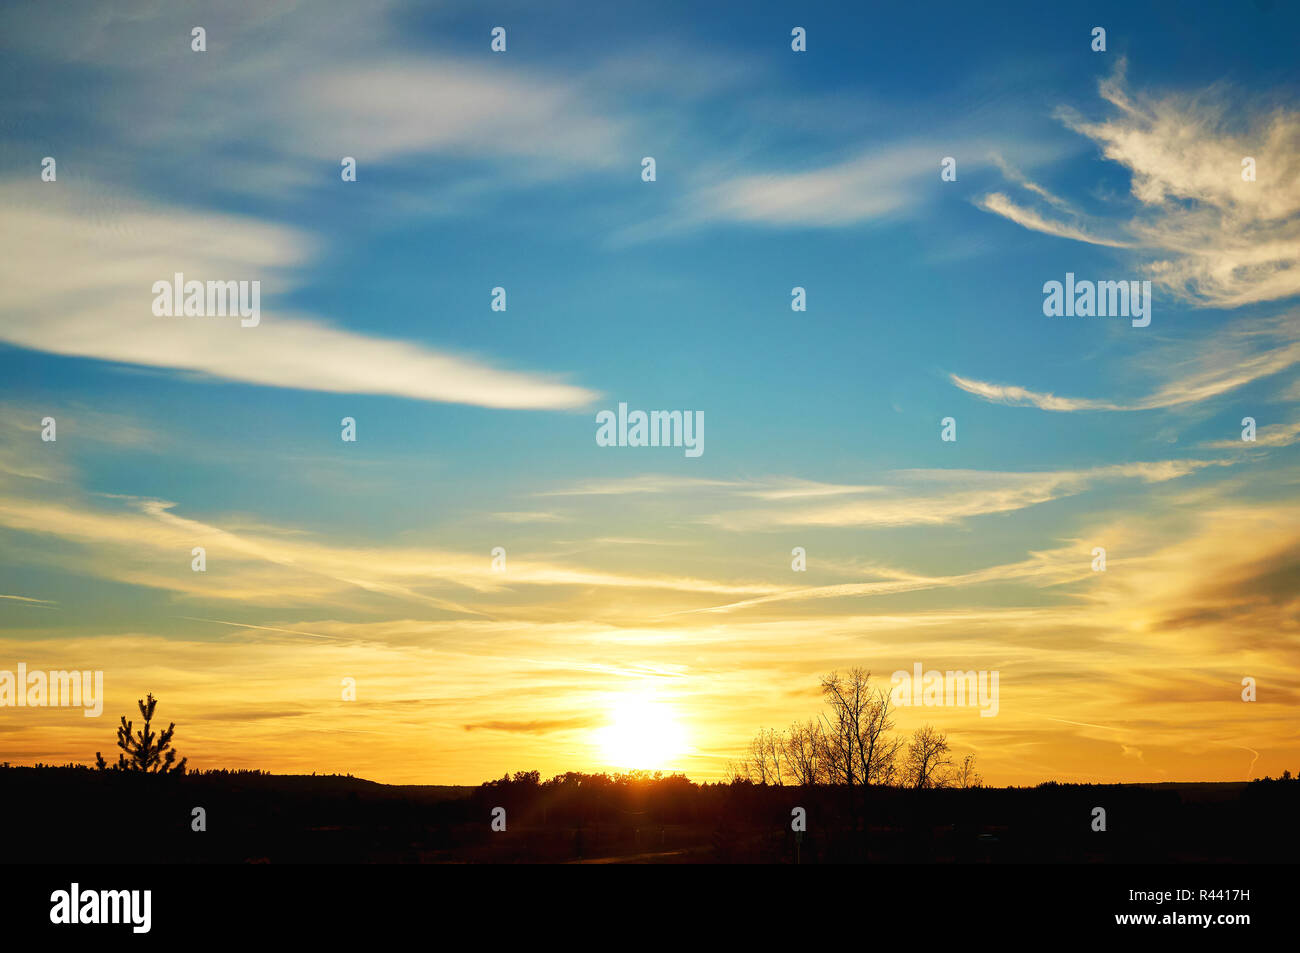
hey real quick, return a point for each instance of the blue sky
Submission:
(476, 429)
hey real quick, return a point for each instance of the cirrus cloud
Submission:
(78, 275)
(1215, 240)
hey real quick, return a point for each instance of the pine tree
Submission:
(142, 752)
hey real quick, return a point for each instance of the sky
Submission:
(647, 611)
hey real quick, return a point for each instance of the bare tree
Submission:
(805, 752)
(965, 775)
(888, 772)
(766, 758)
(848, 697)
(773, 744)
(755, 764)
(926, 758)
(877, 752)
(735, 773)
(852, 745)
(859, 750)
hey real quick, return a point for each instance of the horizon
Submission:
(638, 776)
(388, 509)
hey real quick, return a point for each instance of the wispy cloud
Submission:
(537, 726)
(880, 183)
(41, 603)
(938, 497)
(454, 107)
(1269, 435)
(771, 488)
(1128, 637)
(319, 84)
(147, 543)
(80, 286)
(649, 483)
(873, 185)
(1197, 371)
(529, 516)
(1000, 204)
(1055, 567)
(1216, 239)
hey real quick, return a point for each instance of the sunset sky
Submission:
(648, 614)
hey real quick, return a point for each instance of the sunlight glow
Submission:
(643, 733)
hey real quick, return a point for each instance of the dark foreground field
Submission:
(75, 815)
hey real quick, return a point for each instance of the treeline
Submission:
(851, 745)
(258, 817)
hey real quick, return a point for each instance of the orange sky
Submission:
(1131, 674)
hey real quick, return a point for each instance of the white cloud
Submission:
(649, 483)
(528, 516)
(1269, 435)
(1217, 241)
(288, 90)
(1051, 568)
(941, 497)
(145, 542)
(1224, 362)
(874, 185)
(1001, 205)
(412, 107)
(78, 282)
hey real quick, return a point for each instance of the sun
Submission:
(643, 733)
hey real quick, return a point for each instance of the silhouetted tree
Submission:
(766, 754)
(736, 773)
(965, 775)
(805, 752)
(144, 752)
(926, 757)
(858, 749)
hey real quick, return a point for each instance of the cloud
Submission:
(879, 183)
(1269, 435)
(1216, 240)
(1022, 397)
(295, 83)
(800, 489)
(541, 726)
(1232, 571)
(1290, 392)
(40, 603)
(452, 106)
(146, 543)
(1018, 177)
(1002, 206)
(1058, 566)
(650, 483)
(529, 516)
(998, 203)
(774, 488)
(940, 497)
(1108, 668)
(80, 284)
(1224, 362)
